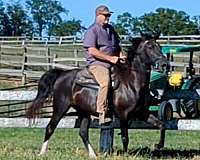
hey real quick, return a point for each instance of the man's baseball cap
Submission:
(102, 9)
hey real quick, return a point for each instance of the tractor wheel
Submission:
(165, 113)
(191, 107)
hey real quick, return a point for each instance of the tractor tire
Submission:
(191, 107)
(165, 113)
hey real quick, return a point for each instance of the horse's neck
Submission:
(138, 64)
(143, 69)
(136, 67)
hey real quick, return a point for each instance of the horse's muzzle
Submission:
(162, 65)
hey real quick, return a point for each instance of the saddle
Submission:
(86, 79)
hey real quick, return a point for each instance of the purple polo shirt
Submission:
(103, 38)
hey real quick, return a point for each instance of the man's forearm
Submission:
(100, 55)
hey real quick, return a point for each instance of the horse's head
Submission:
(148, 50)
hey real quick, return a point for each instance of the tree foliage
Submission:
(45, 14)
(18, 20)
(4, 21)
(169, 21)
(70, 27)
(46, 17)
(126, 24)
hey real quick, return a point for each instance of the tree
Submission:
(5, 28)
(126, 24)
(18, 19)
(66, 28)
(197, 22)
(1, 17)
(169, 21)
(46, 14)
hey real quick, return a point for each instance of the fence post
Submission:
(60, 41)
(53, 61)
(76, 56)
(48, 58)
(106, 138)
(24, 60)
(0, 55)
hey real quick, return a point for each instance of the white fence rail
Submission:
(56, 40)
(73, 121)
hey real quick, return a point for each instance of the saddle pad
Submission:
(86, 79)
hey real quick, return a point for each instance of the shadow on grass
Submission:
(163, 153)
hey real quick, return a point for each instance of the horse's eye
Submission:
(150, 46)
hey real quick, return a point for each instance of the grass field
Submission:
(24, 144)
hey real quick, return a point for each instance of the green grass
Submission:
(65, 144)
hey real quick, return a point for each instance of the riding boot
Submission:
(103, 119)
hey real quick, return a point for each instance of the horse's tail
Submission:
(45, 88)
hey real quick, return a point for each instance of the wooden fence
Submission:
(28, 59)
(31, 62)
(14, 103)
(70, 121)
(65, 40)
(39, 41)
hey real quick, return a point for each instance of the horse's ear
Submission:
(131, 39)
(141, 34)
(157, 35)
(135, 41)
(157, 32)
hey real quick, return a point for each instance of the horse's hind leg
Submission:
(56, 117)
(124, 134)
(156, 122)
(84, 129)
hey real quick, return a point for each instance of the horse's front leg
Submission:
(156, 122)
(84, 129)
(124, 134)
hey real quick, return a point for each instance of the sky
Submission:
(84, 9)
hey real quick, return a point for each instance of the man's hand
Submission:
(114, 59)
(122, 58)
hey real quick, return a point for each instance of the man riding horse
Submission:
(127, 97)
(102, 49)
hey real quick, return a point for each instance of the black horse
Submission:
(127, 97)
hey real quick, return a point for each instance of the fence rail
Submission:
(31, 61)
(56, 40)
(73, 121)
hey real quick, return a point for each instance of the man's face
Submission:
(103, 18)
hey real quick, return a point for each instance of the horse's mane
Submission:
(132, 53)
(121, 68)
(132, 50)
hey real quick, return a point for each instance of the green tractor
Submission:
(172, 94)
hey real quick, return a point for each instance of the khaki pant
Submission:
(102, 77)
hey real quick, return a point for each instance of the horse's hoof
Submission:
(105, 154)
(154, 150)
(41, 154)
(155, 147)
(93, 156)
